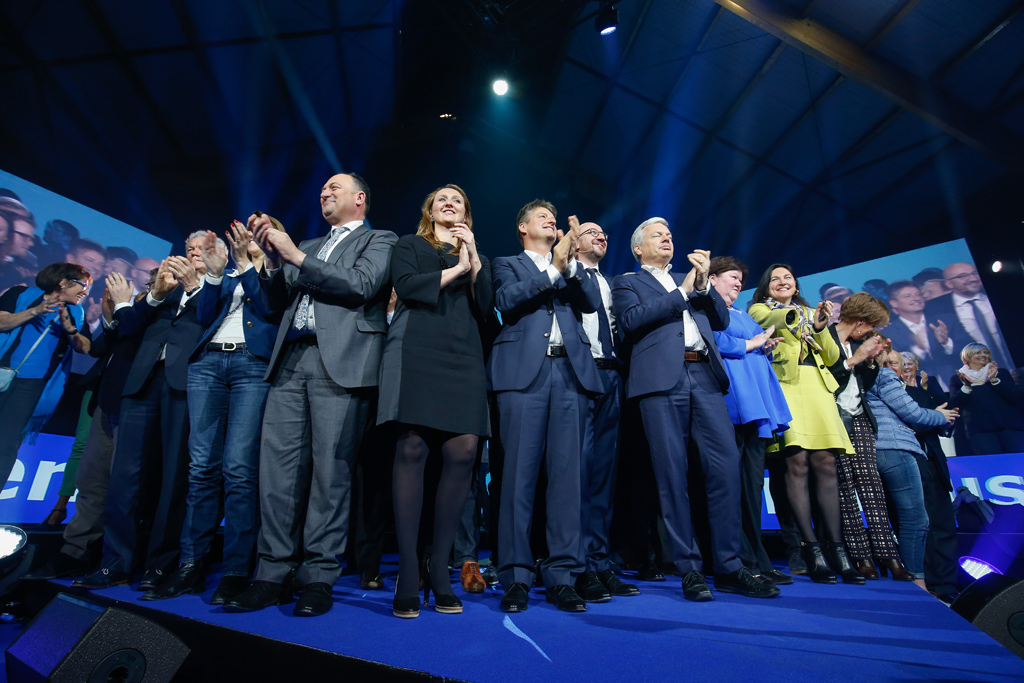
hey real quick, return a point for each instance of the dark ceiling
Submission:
(822, 132)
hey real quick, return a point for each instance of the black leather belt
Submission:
(556, 351)
(695, 357)
(226, 347)
(307, 339)
(607, 363)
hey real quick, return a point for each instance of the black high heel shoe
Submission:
(817, 568)
(899, 572)
(445, 603)
(406, 608)
(840, 561)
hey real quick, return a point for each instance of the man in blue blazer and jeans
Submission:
(677, 373)
(542, 372)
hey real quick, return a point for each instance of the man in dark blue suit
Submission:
(677, 374)
(542, 371)
(153, 425)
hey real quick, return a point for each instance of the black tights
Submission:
(411, 453)
(799, 463)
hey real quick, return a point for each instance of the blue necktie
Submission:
(604, 333)
(302, 312)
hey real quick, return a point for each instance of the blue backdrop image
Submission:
(32, 488)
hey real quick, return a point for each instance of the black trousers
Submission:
(940, 554)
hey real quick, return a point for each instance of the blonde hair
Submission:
(425, 229)
(972, 350)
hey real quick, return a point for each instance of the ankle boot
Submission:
(899, 572)
(866, 569)
(817, 568)
(840, 562)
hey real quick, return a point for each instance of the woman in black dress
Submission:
(433, 385)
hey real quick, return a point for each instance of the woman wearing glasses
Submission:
(38, 325)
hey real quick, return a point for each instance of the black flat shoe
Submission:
(260, 595)
(316, 599)
(745, 583)
(406, 608)
(151, 579)
(649, 572)
(371, 582)
(229, 587)
(615, 585)
(590, 588)
(516, 598)
(695, 588)
(61, 566)
(188, 578)
(565, 598)
(100, 579)
(777, 577)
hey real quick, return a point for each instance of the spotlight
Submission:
(997, 266)
(500, 86)
(607, 19)
(977, 568)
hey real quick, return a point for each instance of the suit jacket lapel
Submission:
(648, 279)
(346, 243)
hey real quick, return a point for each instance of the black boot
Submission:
(817, 568)
(837, 557)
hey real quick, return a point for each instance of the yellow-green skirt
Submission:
(816, 424)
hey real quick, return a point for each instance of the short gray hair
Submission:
(222, 248)
(638, 234)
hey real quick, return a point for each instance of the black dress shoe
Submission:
(648, 571)
(101, 578)
(777, 577)
(61, 566)
(565, 598)
(745, 583)
(590, 588)
(797, 566)
(695, 588)
(188, 578)
(615, 585)
(315, 600)
(261, 594)
(151, 579)
(516, 598)
(490, 576)
(371, 582)
(229, 587)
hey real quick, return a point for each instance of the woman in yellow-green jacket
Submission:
(816, 433)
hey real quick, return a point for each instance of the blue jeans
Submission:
(226, 398)
(902, 480)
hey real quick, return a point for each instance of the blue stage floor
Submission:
(885, 631)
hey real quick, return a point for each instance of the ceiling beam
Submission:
(886, 79)
(988, 35)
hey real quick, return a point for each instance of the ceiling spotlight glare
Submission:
(607, 19)
(997, 266)
(500, 86)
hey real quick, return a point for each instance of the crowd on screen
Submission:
(308, 394)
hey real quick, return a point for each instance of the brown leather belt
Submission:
(694, 357)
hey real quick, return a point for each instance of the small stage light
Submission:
(977, 568)
(607, 19)
(448, 116)
(500, 86)
(997, 266)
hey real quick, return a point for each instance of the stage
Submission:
(883, 631)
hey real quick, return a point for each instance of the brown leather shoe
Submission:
(866, 569)
(899, 572)
(471, 579)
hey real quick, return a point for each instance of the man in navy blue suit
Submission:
(677, 374)
(543, 372)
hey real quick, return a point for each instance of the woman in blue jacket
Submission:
(895, 446)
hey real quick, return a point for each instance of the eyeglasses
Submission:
(964, 276)
(595, 233)
(85, 285)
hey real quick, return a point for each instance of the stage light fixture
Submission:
(997, 266)
(500, 86)
(607, 19)
(977, 568)
(12, 548)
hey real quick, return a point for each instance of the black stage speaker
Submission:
(75, 641)
(995, 604)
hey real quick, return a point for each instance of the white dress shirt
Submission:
(592, 324)
(350, 226)
(543, 263)
(694, 340)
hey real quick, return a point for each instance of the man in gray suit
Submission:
(332, 293)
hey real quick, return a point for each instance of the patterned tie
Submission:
(302, 312)
(604, 334)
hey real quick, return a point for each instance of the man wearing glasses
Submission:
(969, 304)
(599, 583)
